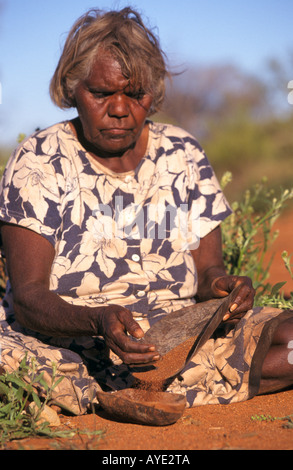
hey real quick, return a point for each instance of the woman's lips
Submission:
(116, 131)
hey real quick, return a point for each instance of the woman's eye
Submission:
(100, 94)
(136, 95)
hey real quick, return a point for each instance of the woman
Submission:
(111, 221)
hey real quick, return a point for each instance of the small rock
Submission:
(47, 414)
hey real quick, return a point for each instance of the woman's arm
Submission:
(213, 280)
(29, 259)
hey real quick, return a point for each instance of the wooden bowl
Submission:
(143, 406)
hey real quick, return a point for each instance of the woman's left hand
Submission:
(224, 285)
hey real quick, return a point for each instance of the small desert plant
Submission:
(248, 234)
(17, 391)
(288, 424)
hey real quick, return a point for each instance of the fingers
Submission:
(220, 287)
(122, 334)
(243, 302)
(131, 351)
(131, 326)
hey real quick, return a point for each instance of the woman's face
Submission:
(112, 113)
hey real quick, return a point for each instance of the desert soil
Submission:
(241, 426)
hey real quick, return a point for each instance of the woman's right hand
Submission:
(114, 324)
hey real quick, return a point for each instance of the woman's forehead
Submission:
(106, 69)
(106, 74)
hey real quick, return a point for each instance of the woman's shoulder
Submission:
(173, 132)
(46, 150)
(48, 140)
(172, 140)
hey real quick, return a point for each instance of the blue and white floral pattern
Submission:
(120, 238)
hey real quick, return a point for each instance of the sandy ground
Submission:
(258, 424)
(278, 272)
(243, 426)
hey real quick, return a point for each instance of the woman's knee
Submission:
(284, 332)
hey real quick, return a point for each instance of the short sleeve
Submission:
(29, 192)
(206, 198)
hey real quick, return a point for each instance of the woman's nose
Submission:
(118, 106)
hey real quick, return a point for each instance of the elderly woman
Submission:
(110, 222)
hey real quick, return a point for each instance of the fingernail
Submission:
(155, 358)
(225, 317)
(152, 348)
(233, 307)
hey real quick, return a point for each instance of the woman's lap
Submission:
(227, 369)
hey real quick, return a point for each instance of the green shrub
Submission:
(249, 233)
(17, 390)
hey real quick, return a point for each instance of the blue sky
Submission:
(192, 32)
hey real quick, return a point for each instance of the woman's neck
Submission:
(126, 161)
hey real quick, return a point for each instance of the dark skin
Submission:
(112, 127)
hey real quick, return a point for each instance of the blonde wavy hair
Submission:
(123, 35)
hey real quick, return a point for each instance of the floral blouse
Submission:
(119, 238)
